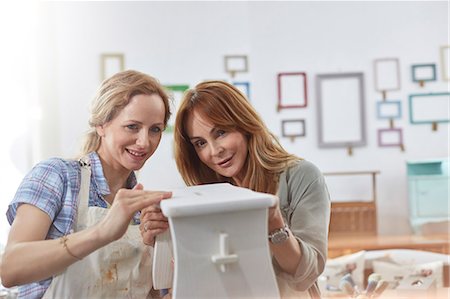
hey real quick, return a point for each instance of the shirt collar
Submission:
(99, 179)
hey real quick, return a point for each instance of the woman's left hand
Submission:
(153, 223)
(126, 203)
(275, 217)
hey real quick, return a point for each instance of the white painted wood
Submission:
(219, 235)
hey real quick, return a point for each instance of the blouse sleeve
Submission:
(305, 204)
(43, 187)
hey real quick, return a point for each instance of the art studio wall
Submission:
(183, 43)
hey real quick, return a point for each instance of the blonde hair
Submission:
(226, 107)
(113, 95)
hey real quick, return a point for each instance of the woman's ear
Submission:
(100, 130)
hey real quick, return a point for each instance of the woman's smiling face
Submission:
(223, 151)
(133, 135)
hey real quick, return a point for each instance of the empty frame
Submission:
(341, 110)
(176, 93)
(387, 74)
(111, 64)
(243, 87)
(423, 72)
(430, 108)
(292, 90)
(445, 62)
(293, 128)
(390, 137)
(389, 109)
(236, 64)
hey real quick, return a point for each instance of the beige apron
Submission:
(121, 269)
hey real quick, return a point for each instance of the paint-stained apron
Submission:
(121, 269)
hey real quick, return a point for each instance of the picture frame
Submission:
(341, 110)
(386, 74)
(389, 109)
(421, 73)
(392, 137)
(445, 62)
(429, 108)
(292, 90)
(236, 64)
(293, 128)
(176, 92)
(110, 64)
(244, 87)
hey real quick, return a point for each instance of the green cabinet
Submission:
(428, 191)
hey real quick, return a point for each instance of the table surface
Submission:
(439, 293)
(388, 242)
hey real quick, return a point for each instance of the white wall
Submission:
(18, 96)
(184, 43)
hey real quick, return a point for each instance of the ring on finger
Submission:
(145, 226)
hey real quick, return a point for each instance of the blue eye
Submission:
(132, 127)
(156, 130)
(220, 133)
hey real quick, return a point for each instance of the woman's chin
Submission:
(136, 165)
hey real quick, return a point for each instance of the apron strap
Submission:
(83, 195)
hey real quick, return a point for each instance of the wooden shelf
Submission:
(354, 217)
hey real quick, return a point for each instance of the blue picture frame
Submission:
(417, 67)
(243, 86)
(413, 118)
(382, 105)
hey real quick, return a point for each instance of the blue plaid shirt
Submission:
(53, 186)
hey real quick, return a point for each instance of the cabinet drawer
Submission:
(429, 197)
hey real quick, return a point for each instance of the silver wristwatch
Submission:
(279, 236)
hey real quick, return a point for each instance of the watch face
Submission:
(279, 237)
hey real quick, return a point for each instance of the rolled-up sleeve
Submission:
(43, 187)
(305, 204)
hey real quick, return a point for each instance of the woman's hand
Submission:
(275, 217)
(126, 203)
(288, 253)
(153, 223)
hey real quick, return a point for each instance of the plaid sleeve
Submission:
(43, 187)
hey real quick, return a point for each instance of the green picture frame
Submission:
(176, 92)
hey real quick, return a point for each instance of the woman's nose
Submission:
(216, 149)
(143, 139)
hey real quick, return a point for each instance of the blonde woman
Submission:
(75, 229)
(219, 137)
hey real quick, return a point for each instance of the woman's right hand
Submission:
(153, 223)
(126, 203)
(30, 257)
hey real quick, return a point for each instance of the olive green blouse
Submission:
(305, 206)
